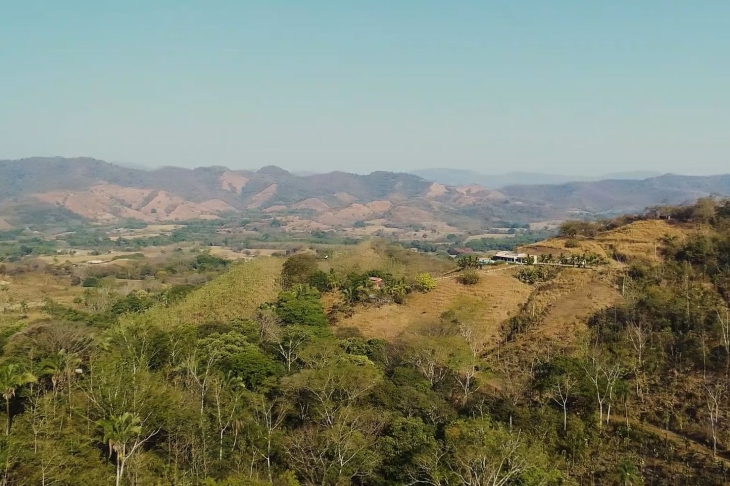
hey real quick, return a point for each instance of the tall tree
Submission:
(123, 434)
(12, 377)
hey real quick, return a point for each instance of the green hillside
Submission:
(359, 368)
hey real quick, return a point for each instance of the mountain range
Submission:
(99, 191)
(497, 181)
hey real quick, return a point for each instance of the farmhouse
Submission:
(510, 256)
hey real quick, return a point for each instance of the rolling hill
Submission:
(95, 190)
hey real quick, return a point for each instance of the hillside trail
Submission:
(456, 273)
(681, 441)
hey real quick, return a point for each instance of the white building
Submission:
(510, 256)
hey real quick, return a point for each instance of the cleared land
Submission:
(484, 306)
(641, 240)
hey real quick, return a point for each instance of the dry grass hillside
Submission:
(640, 240)
(400, 262)
(483, 306)
(236, 294)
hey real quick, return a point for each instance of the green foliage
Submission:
(301, 306)
(468, 277)
(468, 261)
(425, 282)
(183, 385)
(298, 269)
(533, 274)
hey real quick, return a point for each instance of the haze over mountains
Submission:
(496, 181)
(100, 191)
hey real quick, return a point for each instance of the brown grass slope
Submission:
(236, 294)
(483, 306)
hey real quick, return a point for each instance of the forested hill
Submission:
(605, 363)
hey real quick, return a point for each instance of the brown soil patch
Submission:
(231, 181)
(569, 312)
(379, 206)
(107, 202)
(215, 206)
(188, 211)
(4, 225)
(312, 204)
(436, 190)
(470, 189)
(407, 214)
(263, 196)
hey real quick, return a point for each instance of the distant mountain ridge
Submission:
(498, 181)
(100, 191)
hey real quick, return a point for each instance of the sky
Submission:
(560, 86)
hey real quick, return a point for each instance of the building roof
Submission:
(510, 254)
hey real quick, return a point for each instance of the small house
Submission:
(510, 257)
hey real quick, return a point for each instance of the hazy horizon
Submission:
(561, 88)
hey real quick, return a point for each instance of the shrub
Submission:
(535, 274)
(572, 243)
(425, 282)
(470, 277)
(471, 261)
(301, 307)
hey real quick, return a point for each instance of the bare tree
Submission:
(725, 331)
(562, 391)
(638, 337)
(714, 396)
(603, 376)
(269, 416)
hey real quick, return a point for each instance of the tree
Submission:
(715, 397)
(61, 368)
(602, 375)
(470, 261)
(482, 454)
(123, 434)
(302, 307)
(12, 377)
(298, 269)
(425, 282)
(469, 277)
(627, 474)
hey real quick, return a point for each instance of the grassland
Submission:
(483, 306)
(639, 240)
(397, 261)
(235, 294)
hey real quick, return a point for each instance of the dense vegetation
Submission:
(194, 390)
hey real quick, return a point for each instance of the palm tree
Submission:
(12, 377)
(60, 367)
(122, 435)
(333, 282)
(627, 475)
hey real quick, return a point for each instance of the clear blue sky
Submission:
(558, 86)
